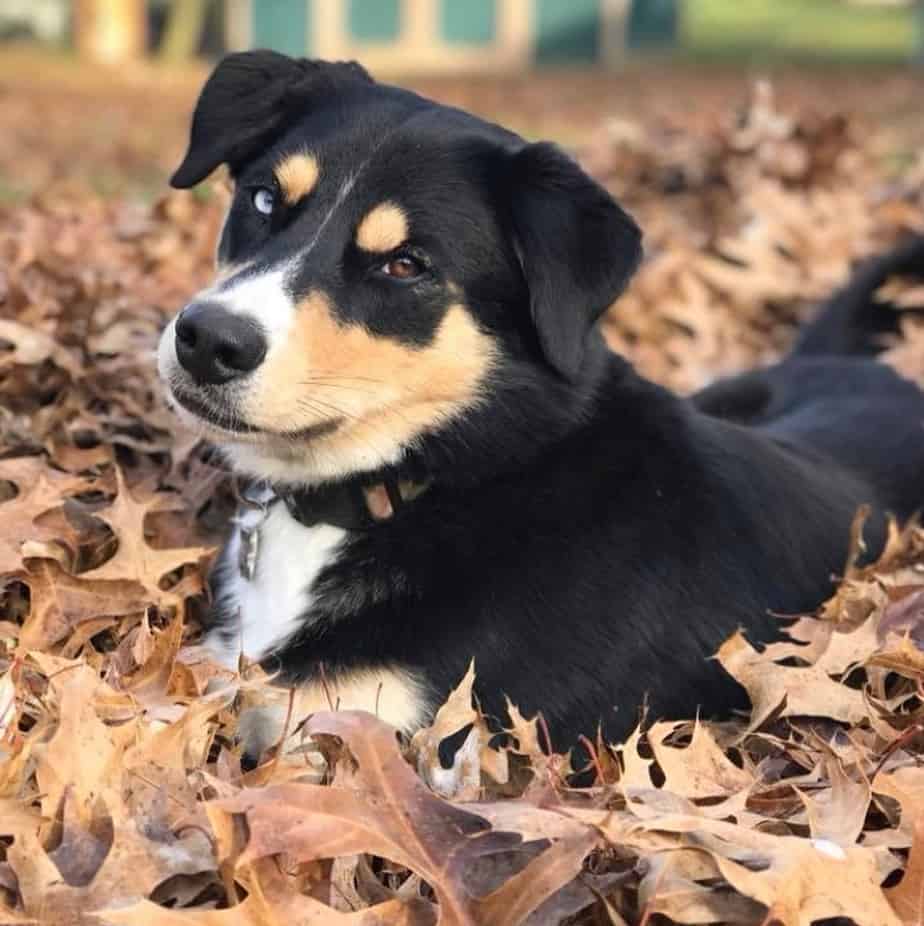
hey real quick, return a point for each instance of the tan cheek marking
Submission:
(388, 392)
(297, 176)
(383, 229)
(420, 392)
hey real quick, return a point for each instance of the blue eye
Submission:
(264, 200)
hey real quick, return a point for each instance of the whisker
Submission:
(361, 389)
(328, 408)
(322, 377)
(370, 422)
(320, 407)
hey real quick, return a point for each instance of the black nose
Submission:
(215, 346)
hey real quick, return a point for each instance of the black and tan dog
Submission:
(400, 346)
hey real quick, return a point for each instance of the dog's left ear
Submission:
(247, 101)
(577, 247)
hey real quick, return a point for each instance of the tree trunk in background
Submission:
(110, 31)
(614, 39)
(184, 30)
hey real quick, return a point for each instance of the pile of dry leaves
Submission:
(122, 797)
(750, 219)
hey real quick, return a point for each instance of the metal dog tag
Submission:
(255, 505)
(249, 551)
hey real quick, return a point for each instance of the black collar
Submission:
(352, 506)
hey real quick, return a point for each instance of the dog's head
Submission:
(390, 270)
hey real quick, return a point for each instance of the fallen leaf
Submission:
(389, 812)
(837, 813)
(62, 602)
(788, 691)
(39, 491)
(907, 897)
(135, 560)
(698, 770)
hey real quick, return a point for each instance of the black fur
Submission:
(585, 268)
(245, 105)
(589, 538)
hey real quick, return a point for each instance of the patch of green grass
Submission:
(798, 29)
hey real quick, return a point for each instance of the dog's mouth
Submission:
(223, 421)
(227, 422)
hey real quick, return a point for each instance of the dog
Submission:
(447, 465)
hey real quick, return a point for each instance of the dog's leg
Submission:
(396, 696)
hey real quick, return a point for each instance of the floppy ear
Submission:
(577, 247)
(244, 105)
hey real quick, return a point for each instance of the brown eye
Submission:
(403, 268)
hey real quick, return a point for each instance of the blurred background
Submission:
(482, 35)
(765, 145)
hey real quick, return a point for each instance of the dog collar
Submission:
(353, 506)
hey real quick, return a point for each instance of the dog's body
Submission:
(459, 469)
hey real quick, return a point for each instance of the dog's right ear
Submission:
(244, 105)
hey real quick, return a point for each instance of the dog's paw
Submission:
(260, 727)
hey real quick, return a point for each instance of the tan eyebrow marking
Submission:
(382, 229)
(297, 176)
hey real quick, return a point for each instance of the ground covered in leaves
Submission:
(122, 797)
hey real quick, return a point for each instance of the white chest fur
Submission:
(277, 600)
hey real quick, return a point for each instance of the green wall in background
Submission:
(468, 22)
(374, 20)
(567, 30)
(282, 25)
